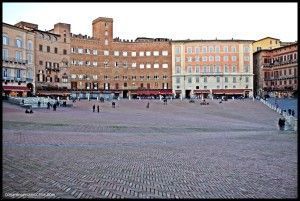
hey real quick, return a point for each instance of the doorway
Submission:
(188, 94)
(125, 94)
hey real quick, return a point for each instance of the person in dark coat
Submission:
(281, 123)
(48, 105)
(98, 108)
(148, 105)
(39, 103)
(113, 104)
(94, 108)
(54, 107)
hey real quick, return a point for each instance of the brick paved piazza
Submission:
(182, 150)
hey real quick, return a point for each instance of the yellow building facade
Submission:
(267, 43)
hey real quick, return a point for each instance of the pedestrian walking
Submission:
(281, 123)
(98, 108)
(148, 105)
(39, 103)
(48, 105)
(113, 104)
(94, 108)
(54, 107)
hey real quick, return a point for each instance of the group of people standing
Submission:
(94, 108)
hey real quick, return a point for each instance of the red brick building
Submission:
(276, 71)
(102, 64)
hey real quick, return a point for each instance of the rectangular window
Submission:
(177, 59)
(142, 54)
(165, 53)
(133, 54)
(211, 49)
(204, 69)
(246, 49)
(233, 58)
(225, 68)
(18, 55)
(233, 49)
(148, 53)
(48, 48)
(133, 65)
(29, 58)
(189, 50)
(197, 58)
(197, 69)
(116, 53)
(226, 79)
(217, 58)
(165, 65)
(204, 58)
(225, 58)
(18, 73)
(177, 50)
(197, 50)
(155, 53)
(142, 66)
(41, 47)
(234, 68)
(246, 58)
(55, 50)
(95, 63)
(177, 80)
(80, 50)
(124, 54)
(148, 65)
(189, 79)
(178, 69)
(234, 79)
(4, 53)
(204, 79)
(204, 49)
(106, 53)
(65, 52)
(225, 48)
(217, 49)
(189, 69)
(156, 65)
(95, 52)
(197, 80)
(218, 79)
(246, 79)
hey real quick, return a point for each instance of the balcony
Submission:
(14, 60)
(280, 63)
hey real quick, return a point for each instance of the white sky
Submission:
(166, 20)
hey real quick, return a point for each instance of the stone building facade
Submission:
(202, 68)
(276, 71)
(17, 61)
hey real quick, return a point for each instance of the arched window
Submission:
(5, 40)
(19, 42)
(29, 45)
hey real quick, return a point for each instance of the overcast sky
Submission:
(166, 20)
